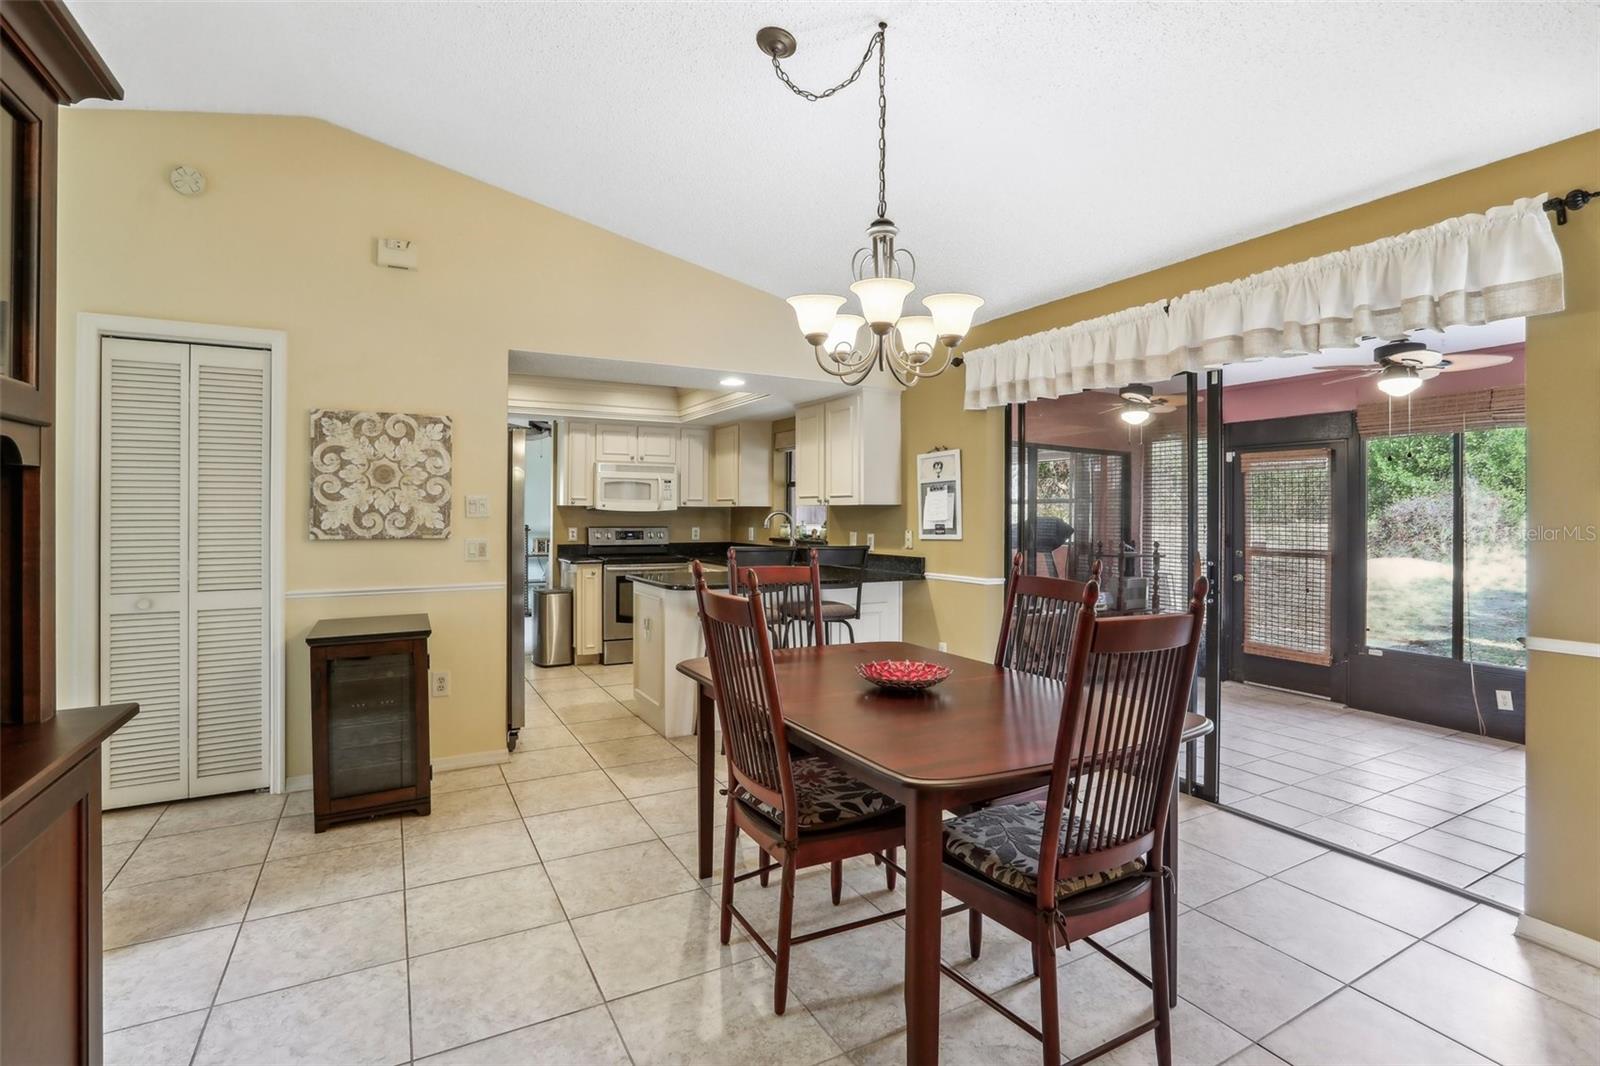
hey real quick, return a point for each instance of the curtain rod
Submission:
(1576, 200)
(1573, 201)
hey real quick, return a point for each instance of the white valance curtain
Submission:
(1463, 271)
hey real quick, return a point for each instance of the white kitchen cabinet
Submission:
(649, 649)
(657, 444)
(808, 453)
(616, 443)
(584, 581)
(694, 468)
(847, 450)
(575, 458)
(881, 617)
(740, 454)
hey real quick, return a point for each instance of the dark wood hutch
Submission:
(49, 762)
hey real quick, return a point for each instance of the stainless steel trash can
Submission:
(551, 608)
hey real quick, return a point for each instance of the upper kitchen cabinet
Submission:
(694, 468)
(575, 459)
(847, 450)
(741, 456)
(616, 442)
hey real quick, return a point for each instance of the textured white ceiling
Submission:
(1035, 149)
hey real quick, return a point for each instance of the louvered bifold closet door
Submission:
(228, 569)
(144, 567)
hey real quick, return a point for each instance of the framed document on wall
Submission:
(939, 495)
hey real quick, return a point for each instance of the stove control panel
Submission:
(627, 536)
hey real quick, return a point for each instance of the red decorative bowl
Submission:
(903, 675)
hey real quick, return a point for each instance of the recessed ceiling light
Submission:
(731, 383)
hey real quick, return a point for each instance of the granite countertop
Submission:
(682, 580)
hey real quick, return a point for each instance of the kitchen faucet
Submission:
(767, 521)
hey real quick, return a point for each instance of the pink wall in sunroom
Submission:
(1311, 394)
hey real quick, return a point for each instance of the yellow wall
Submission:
(1563, 382)
(283, 239)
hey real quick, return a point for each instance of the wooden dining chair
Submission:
(1092, 854)
(791, 596)
(800, 811)
(1041, 615)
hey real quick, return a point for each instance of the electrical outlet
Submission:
(439, 683)
(908, 540)
(944, 645)
(477, 549)
(852, 538)
(1502, 699)
(572, 534)
(749, 532)
(872, 541)
(694, 533)
(477, 507)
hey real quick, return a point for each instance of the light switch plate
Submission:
(572, 534)
(852, 537)
(908, 540)
(477, 506)
(1502, 699)
(872, 541)
(749, 532)
(477, 549)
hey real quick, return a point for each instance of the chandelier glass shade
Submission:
(910, 347)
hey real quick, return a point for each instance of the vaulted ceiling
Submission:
(1035, 150)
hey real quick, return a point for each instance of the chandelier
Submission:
(908, 346)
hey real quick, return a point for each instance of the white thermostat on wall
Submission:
(397, 253)
(477, 507)
(187, 181)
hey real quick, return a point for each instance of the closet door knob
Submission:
(143, 603)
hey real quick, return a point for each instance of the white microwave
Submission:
(635, 487)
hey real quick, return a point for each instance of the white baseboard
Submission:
(302, 783)
(1565, 941)
(471, 759)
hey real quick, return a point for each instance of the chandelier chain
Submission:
(877, 43)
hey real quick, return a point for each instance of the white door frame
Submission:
(82, 652)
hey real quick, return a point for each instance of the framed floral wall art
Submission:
(377, 475)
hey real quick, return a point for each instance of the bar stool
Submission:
(838, 612)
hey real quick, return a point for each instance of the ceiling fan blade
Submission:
(1348, 377)
(1473, 362)
(1348, 366)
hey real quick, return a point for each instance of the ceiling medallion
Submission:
(904, 345)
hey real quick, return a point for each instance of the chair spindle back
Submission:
(1041, 617)
(791, 596)
(740, 650)
(1121, 728)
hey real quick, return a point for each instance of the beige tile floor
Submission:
(1440, 802)
(546, 912)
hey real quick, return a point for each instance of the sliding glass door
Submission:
(1091, 494)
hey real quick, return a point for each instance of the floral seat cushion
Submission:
(1002, 844)
(826, 796)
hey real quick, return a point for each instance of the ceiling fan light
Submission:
(1399, 381)
(814, 312)
(844, 332)
(952, 313)
(1134, 416)
(881, 300)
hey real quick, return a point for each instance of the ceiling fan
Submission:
(1138, 402)
(1402, 366)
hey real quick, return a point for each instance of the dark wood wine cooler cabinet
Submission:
(369, 717)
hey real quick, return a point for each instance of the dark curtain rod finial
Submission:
(1573, 201)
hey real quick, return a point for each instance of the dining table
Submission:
(983, 733)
